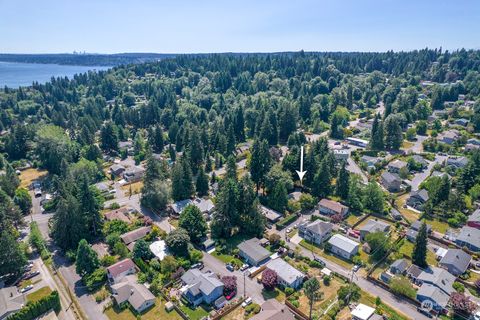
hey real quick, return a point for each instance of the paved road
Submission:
(421, 176)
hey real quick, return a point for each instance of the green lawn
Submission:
(39, 294)
(407, 249)
(352, 219)
(157, 312)
(344, 263)
(369, 300)
(197, 313)
(226, 258)
(274, 294)
(438, 225)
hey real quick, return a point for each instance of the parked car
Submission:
(356, 268)
(197, 266)
(231, 295)
(247, 302)
(244, 267)
(230, 267)
(289, 230)
(27, 288)
(31, 275)
(322, 263)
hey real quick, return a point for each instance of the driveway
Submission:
(421, 176)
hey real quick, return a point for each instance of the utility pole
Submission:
(244, 285)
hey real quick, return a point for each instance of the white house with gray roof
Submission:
(373, 226)
(391, 181)
(343, 246)
(201, 287)
(252, 252)
(456, 261)
(316, 231)
(287, 275)
(396, 165)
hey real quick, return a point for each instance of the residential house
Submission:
(474, 219)
(420, 160)
(397, 215)
(413, 272)
(117, 170)
(399, 267)
(271, 215)
(462, 122)
(469, 237)
(440, 174)
(391, 181)
(131, 237)
(471, 147)
(396, 165)
(201, 287)
(11, 301)
(133, 174)
(418, 199)
(117, 271)
(287, 275)
(412, 233)
(126, 145)
(343, 246)
(330, 207)
(370, 161)
(457, 162)
(357, 142)
(316, 231)
(373, 226)
(272, 309)
(474, 141)
(136, 294)
(177, 207)
(205, 206)
(159, 249)
(252, 252)
(119, 214)
(363, 312)
(448, 137)
(341, 154)
(435, 288)
(456, 261)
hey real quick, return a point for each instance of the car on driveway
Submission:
(27, 288)
(230, 267)
(197, 266)
(230, 295)
(289, 230)
(247, 302)
(356, 268)
(244, 267)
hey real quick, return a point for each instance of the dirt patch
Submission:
(29, 175)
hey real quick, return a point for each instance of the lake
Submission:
(14, 75)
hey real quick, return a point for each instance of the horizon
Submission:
(189, 27)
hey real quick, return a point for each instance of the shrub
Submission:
(289, 291)
(327, 280)
(35, 309)
(286, 221)
(95, 280)
(107, 260)
(458, 287)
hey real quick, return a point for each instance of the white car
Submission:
(356, 268)
(246, 302)
(27, 288)
(289, 230)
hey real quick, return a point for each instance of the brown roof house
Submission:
(273, 310)
(131, 237)
(119, 214)
(330, 207)
(117, 271)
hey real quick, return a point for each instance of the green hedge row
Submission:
(35, 309)
(286, 221)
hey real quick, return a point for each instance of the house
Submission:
(271, 215)
(272, 309)
(117, 271)
(370, 161)
(414, 228)
(420, 160)
(399, 266)
(448, 137)
(11, 301)
(418, 199)
(435, 288)
(474, 219)
(357, 142)
(440, 174)
(159, 249)
(397, 215)
(133, 174)
(119, 214)
(362, 312)
(136, 294)
(201, 287)
(396, 165)
(462, 122)
(457, 162)
(469, 237)
(205, 206)
(252, 252)
(177, 207)
(391, 181)
(343, 246)
(117, 170)
(341, 154)
(316, 231)
(413, 272)
(373, 226)
(474, 141)
(131, 237)
(125, 145)
(456, 261)
(471, 147)
(330, 207)
(287, 275)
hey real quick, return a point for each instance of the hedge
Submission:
(285, 222)
(35, 309)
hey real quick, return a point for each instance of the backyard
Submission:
(157, 312)
(29, 175)
(39, 294)
(407, 250)
(344, 263)
(197, 313)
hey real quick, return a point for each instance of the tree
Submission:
(226, 215)
(349, 292)
(90, 205)
(177, 241)
(343, 182)
(379, 243)
(355, 195)
(259, 162)
(376, 141)
(373, 198)
(69, 225)
(307, 202)
(155, 195)
(109, 137)
(141, 250)
(182, 184)
(419, 255)
(251, 220)
(229, 284)
(278, 198)
(393, 133)
(462, 305)
(12, 257)
(23, 200)
(269, 279)
(87, 259)
(202, 183)
(311, 288)
(192, 220)
(322, 186)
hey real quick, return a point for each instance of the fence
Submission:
(296, 311)
(227, 309)
(257, 272)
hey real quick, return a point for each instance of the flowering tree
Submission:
(229, 283)
(337, 218)
(269, 279)
(461, 304)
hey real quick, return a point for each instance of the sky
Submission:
(204, 26)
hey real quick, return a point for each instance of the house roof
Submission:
(204, 205)
(457, 258)
(469, 235)
(284, 270)
(319, 227)
(397, 164)
(10, 300)
(254, 250)
(270, 214)
(374, 226)
(118, 214)
(421, 194)
(389, 177)
(395, 213)
(135, 235)
(117, 268)
(273, 310)
(417, 224)
(117, 167)
(363, 312)
(475, 216)
(159, 249)
(434, 294)
(414, 270)
(438, 277)
(400, 264)
(343, 243)
(129, 289)
(179, 206)
(419, 159)
(332, 205)
(457, 161)
(198, 282)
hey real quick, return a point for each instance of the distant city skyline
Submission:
(118, 26)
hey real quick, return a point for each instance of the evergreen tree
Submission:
(202, 183)
(231, 141)
(354, 199)
(12, 257)
(87, 259)
(226, 214)
(231, 170)
(69, 225)
(252, 221)
(393, 133)
(419, 255)
(278, 198)
(260, 162)
(109, 137)
(90, 206)
(157, 139)
(373, 198)
(182, 185)
(311, 289)
(322, 181)
(343, 182)
(177, 242)
(376, 141)
(192, 220)
(142, 251)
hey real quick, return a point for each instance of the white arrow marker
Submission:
(301, 173)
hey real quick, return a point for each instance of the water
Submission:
(14, 75)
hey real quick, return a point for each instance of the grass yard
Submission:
(352, 219)
(344, 263)
(407, 249)
(136, 188)
(408, 214)
(237, 314)
(29, 175)
(369, 300)
(39, 294)
(157, 312)
(407, 144)
(438, 225)
(197, 313)
(329, 295)
(226, 258)
(273, 294)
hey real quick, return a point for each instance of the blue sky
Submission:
(109, 26)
